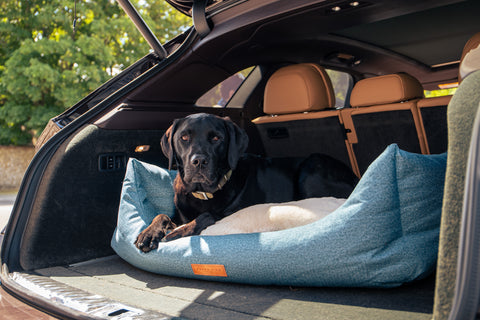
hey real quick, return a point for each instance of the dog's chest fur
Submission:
(255, 180)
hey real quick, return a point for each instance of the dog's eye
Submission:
(185, 137)
(215, 138)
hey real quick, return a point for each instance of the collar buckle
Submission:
(201, 195)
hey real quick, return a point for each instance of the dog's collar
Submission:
(201, 195)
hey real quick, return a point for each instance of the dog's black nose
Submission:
(198, 160)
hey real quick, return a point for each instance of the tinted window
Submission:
(439, 93)
(342, 84)
(219, 95)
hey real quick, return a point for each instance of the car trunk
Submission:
(77, 213)
(56, 253)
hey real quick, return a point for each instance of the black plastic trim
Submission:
(200, 22)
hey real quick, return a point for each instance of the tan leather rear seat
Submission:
(299, 102)
(384, 111)
(433, 114)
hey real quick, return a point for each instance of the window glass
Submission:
(342, 84)
(219, 95)
(439, 93)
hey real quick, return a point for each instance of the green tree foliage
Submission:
(45, 67)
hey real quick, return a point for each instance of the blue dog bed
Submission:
(384, 235)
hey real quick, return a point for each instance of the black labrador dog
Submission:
(216, 179)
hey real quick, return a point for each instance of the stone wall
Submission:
(13, 163)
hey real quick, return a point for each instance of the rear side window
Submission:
(219, 95)
(443, 89)
(439, 93)
(342, 85)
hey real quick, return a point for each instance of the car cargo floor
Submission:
(115, 279)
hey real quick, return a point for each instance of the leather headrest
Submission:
(392, 88)
(470, 56)
(298, 88)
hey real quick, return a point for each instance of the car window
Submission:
(342, 84)
(439, 93)
(219, 95)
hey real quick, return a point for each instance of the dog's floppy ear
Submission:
(167, 144)
(238, 142)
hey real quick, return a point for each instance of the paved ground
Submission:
(6, 204)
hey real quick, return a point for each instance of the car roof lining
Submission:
(272, 41)
(423, 36)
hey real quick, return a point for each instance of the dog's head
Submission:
(204, 148)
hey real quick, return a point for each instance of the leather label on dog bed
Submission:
(213, 270)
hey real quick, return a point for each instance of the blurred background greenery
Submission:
(46, 67)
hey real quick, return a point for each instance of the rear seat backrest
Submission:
(384, 112)
(433, 113)
(298, 122)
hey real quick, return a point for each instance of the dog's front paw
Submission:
(149, 238)
(180, 232)
(192, 228)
